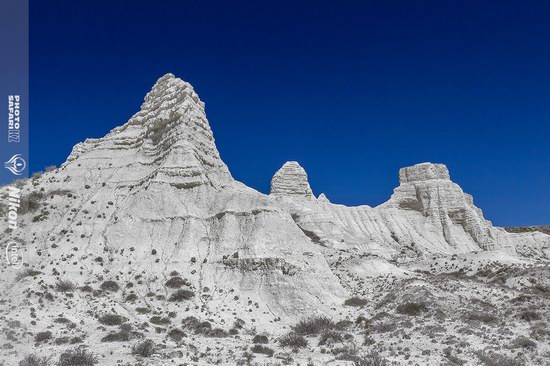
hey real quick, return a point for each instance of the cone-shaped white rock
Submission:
(291, 181)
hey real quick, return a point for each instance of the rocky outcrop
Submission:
(291, 181)
(428, 189)
(168, 141)
(427, 213)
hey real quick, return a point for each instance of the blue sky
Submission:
(352, 90)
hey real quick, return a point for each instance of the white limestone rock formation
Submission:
(428, 189)
(152, 203)
(152, 197)
(428, 213)
(291, 181)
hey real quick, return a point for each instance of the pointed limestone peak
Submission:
(291, 181)
(323, 198)
(423, 172)
(170, 89)
(169, 141)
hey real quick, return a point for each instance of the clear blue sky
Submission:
(352, 90)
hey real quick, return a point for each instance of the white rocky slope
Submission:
(153, 196)
(152, 201)
(428, 213)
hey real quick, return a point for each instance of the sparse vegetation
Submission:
(122, 336)
(175, 282)
(181, 295)
(110, 285)
(144, 349)
(43, 337)
(33, 360)
(260, 339)
(111, 319)
(495, 359)
(523, 342)
(371, 359)
(258, 348)
(157, 320)
(529, 315)
(293, 340)
(176, 335)
(412, 308)
(330, 337)
(65, 286)
(479, 316)
(355, 301)
(77, 357)
(314, 325)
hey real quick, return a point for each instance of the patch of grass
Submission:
(330, 337)
(523, 342)
(529, 315)
(122, 336)
(28, 272)
(181, 295)
(314, 325)
(157, 320)
(412, 308)
(495, 359)
(33, 360)
(260, 339)
(175, 282)
(110, 286)
(258, 348)
(131, 298)
(144, 349)
(43, 337)
(86, 288)
(143, 310)
(371, 359)
(111, 319)
(293, 340)
(65, 286)
(176, 335)
(483, 317)
(77, 357)
(355, 301)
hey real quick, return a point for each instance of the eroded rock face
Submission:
(428, 189)
(291, 181)
(153, 196)
(427, 213)
(168, 141)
